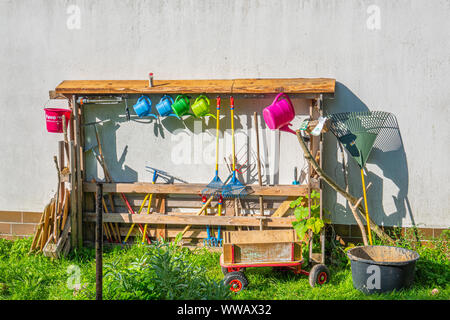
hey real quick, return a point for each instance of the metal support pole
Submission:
(99, 243)
(322, 232)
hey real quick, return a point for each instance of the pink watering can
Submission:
(280, 113)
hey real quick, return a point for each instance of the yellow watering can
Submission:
(200, 107)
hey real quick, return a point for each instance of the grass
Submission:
(31, 277)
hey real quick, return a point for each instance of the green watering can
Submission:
(200, 107)
(181, 106)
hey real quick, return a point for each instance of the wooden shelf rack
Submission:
(313, 89)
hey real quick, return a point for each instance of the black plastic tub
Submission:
(377, 269)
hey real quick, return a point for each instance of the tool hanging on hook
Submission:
(99, 100)
(127, 110)
(234, 188)
(215, 186)
(295, 182)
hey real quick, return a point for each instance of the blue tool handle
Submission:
(155, 175)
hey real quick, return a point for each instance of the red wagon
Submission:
(280, 249)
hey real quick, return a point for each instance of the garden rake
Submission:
(216, 184)
(234, 188)
(357, 131)
(210, 240)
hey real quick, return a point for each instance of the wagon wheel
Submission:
(236, 280)
(319, 275)
(225, 270)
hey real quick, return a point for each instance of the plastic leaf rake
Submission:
(357, 131)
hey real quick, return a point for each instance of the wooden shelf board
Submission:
(275, 263)
(193, 188)
(174, 219)
(293, 85)
(235, 86)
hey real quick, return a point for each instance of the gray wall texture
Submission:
(385, 55)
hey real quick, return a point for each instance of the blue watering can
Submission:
(164, 107)
(143, 107)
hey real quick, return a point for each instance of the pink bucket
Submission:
(53, 119)
(280, 113)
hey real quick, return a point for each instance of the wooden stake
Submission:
(66, 209)
(79, 182)
(261, 205)
(73, 196)
(354, 209)
(61, 167)
(57, 204)
(110, 227)
(66, 142)
(38, 231)
(46, 224)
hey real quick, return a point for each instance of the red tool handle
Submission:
(131, 211)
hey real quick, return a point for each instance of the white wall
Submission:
(403, 67)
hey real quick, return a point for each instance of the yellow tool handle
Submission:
(217, 134)
(129, 232)
(365, 204)
(144, 233)
(148, 211)
(232, 131)
(139, 211)
(200, 212)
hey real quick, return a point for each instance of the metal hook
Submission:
(127, 110)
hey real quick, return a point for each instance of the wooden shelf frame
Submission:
(183, 219)
(314, 89)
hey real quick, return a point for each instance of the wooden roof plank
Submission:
(238, 86)
(297, 85)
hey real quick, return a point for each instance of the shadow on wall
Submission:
(107, 132)
(139, 137)
(160, 128)
(388, 154)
